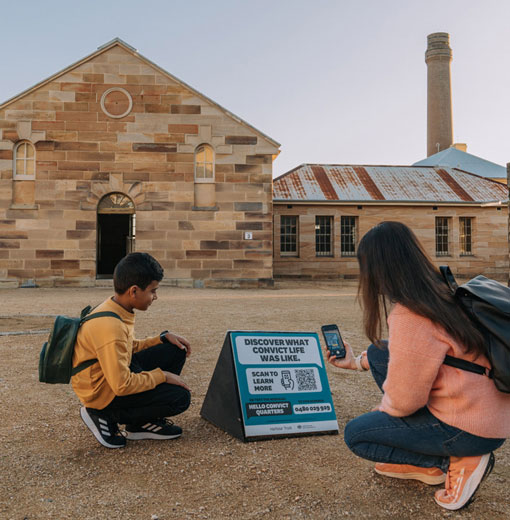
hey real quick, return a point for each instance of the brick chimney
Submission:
(439, 93)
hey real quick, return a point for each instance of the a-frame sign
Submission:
(270, 384)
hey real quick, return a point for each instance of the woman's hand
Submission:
(347, 362)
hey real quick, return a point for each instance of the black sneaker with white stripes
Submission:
(105, 430)
(157, 429)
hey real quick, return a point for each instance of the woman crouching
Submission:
(435, 423)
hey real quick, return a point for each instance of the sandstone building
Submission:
(321, 212)
(114, 154)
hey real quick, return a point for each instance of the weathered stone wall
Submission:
(85, 150)
(489, 238)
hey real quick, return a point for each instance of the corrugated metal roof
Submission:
(357, 183)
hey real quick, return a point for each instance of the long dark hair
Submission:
(394, 268)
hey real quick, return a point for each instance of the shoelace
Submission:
(158, 422)
(455, 491)
(113, 427)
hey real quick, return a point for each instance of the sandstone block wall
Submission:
(489, 238)
(87, 148)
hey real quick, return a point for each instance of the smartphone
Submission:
(333, 340)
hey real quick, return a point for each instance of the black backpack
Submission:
(56, 357)
(487, 303)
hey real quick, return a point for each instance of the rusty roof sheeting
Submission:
(343, 183)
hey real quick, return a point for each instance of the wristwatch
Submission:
(163, 337)
(357, 361)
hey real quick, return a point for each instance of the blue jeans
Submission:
(419, 439)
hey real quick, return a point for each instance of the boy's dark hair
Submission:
(136, 269)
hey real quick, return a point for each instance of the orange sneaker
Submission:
(465, 475)
(431, 476)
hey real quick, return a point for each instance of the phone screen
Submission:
(334, 341)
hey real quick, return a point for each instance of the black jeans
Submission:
(163, 401)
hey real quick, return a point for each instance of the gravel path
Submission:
(52, 467)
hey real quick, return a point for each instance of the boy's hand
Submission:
(174, 379)
(346, 362)
(179, 341)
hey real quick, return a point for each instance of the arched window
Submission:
(24, 161)
(204, 163)
(116, 203)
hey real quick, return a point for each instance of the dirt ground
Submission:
(52, 467)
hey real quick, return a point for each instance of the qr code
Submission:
(306, 379)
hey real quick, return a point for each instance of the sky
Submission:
(333, 81)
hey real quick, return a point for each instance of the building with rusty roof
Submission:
(321, 211)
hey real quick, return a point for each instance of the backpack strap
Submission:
(468, 366)
(448, 278)
(100, 315)
(82, 366)
(453, 361)
(90, 362)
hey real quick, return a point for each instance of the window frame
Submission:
(323, 235)
(23, 176)
(465, 237)
(204, 180)
(439, 238)
(295, 234)
(351, 237)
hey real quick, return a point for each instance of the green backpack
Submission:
(56, 357)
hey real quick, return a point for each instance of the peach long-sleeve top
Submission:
(417, 377)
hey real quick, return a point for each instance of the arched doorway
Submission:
(116, 227)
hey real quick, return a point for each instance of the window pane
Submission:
(288, 234)
(442, 236)
(208, 154)
(30, 167)
(20, 167)
(348, 233)
(200, 155)
(323, 236)
(21, 151)
(208, 170)
(29, 150)
(466, 235)
(200, 174)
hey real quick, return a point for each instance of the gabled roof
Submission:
(134, 52)
(385, 184)
(464, 161)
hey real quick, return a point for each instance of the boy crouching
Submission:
(134, 382)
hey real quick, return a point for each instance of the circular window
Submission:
(116, 102)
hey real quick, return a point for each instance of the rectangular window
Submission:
(348, 234)
(288, 235)
(442, 236)
(466, 235)
(323, 236)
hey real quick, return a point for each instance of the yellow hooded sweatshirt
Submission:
(111, 342)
